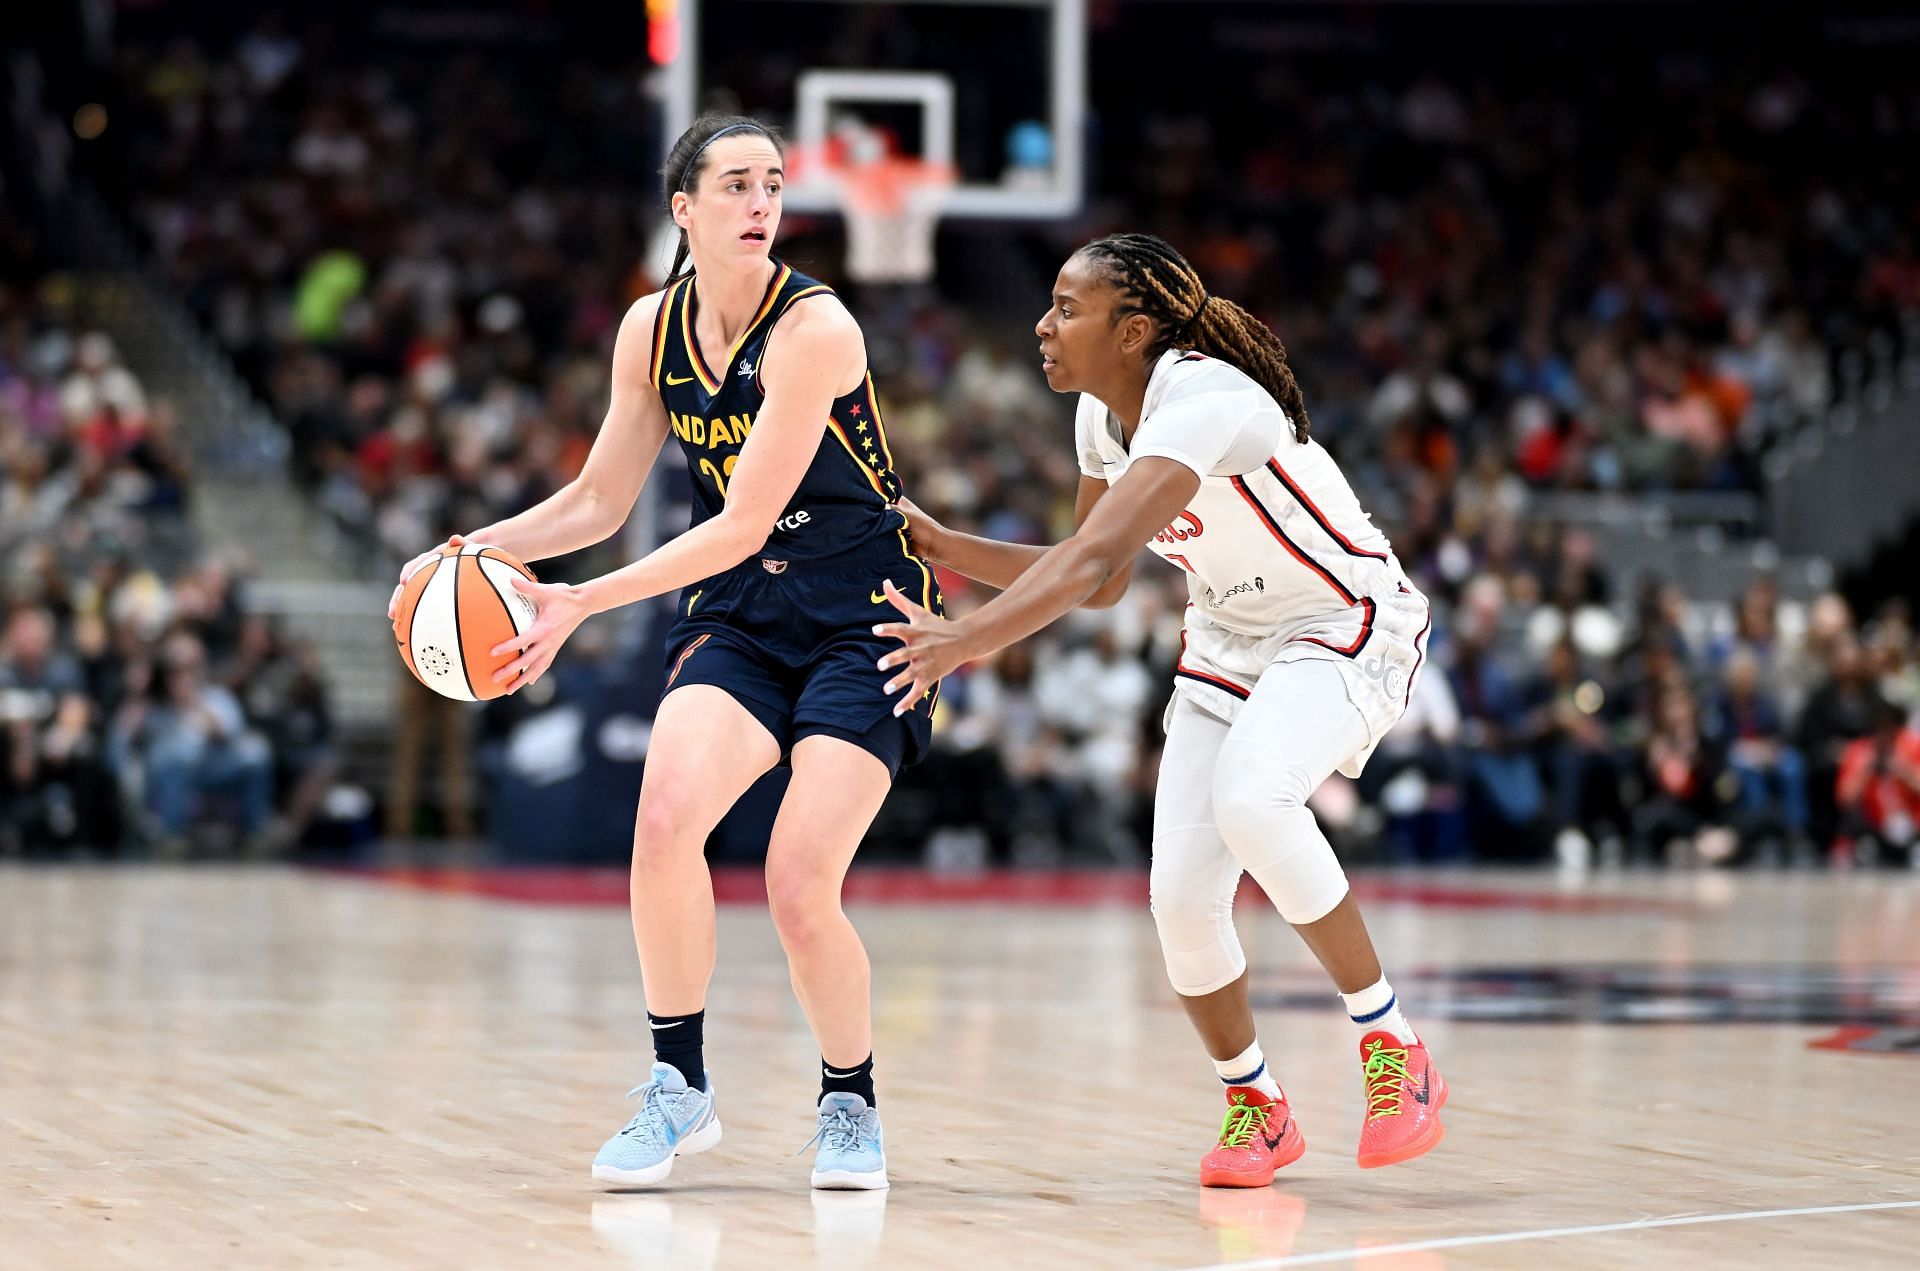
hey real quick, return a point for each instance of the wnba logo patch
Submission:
(773, 566)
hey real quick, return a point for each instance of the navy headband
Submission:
(693, 164)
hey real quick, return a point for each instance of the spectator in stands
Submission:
(1572, 741)
(279, 686)
(188, 742)
(1843, 709)
(1505, 800)
(1890, 649)
(1690, 793)
(1878, 788)
(1003, 710)
(53, 789)
(1773, 778)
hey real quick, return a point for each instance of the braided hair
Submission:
(1157, 281)
(687, 162)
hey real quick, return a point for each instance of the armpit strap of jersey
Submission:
(817, 289)
(661, 325)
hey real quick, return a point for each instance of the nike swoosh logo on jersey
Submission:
(685, 379)
(878, 598)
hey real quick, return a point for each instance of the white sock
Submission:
(1248, 1068)
(1376, 1010)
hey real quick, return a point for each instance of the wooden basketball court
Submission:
(285, 1068)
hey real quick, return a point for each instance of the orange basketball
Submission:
(451, 614)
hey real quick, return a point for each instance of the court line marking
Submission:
(1547, 1233)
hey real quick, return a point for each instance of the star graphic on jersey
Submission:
(867, 442)
(861, 426)
(853, 411)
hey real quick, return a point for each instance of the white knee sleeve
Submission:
(1259, 802)
(1296, 728)
(1193, 882)
(1194, 875)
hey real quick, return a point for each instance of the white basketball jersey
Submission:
(1274, 540)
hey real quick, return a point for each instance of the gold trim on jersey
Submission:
(879, 424)
(662, 320)
(932, 695)
(818, 288)
(708, 380)
(873, 478)
(926, 575)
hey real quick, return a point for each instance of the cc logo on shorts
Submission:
(1391, 676)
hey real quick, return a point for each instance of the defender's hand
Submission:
(933, 647)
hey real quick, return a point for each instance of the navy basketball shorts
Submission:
(793, 643)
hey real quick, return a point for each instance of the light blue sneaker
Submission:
(674, 1120)
(851, 1155)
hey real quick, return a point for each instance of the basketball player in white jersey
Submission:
(1303, 637)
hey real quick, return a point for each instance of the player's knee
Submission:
(1201, 950)
(1181, 895)
(666, 828)
(1294, 864)
(804, 904)
(1193, 915)
(1250, 790)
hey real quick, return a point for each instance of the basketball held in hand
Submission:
(451, 614)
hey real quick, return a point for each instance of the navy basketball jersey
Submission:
(713, 397)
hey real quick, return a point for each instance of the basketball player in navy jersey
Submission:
(761, 376)
(1302, 640)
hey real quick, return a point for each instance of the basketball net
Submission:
(892, 207)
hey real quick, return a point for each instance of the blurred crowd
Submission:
(141, 708)
(1494, 283)
(419, 263)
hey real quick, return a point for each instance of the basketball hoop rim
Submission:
(921, 183)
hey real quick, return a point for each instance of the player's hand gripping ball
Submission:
(453, 608)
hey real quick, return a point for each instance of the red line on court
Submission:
(1850, 1037)
(895, 885)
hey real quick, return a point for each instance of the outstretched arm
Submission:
(596, 503)
(997, 563)
(1147, 499)
(816, 349)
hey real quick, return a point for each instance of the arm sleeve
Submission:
(1217, 434)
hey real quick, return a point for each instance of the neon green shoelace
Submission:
(1386, 1070)
(1242, 1122)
